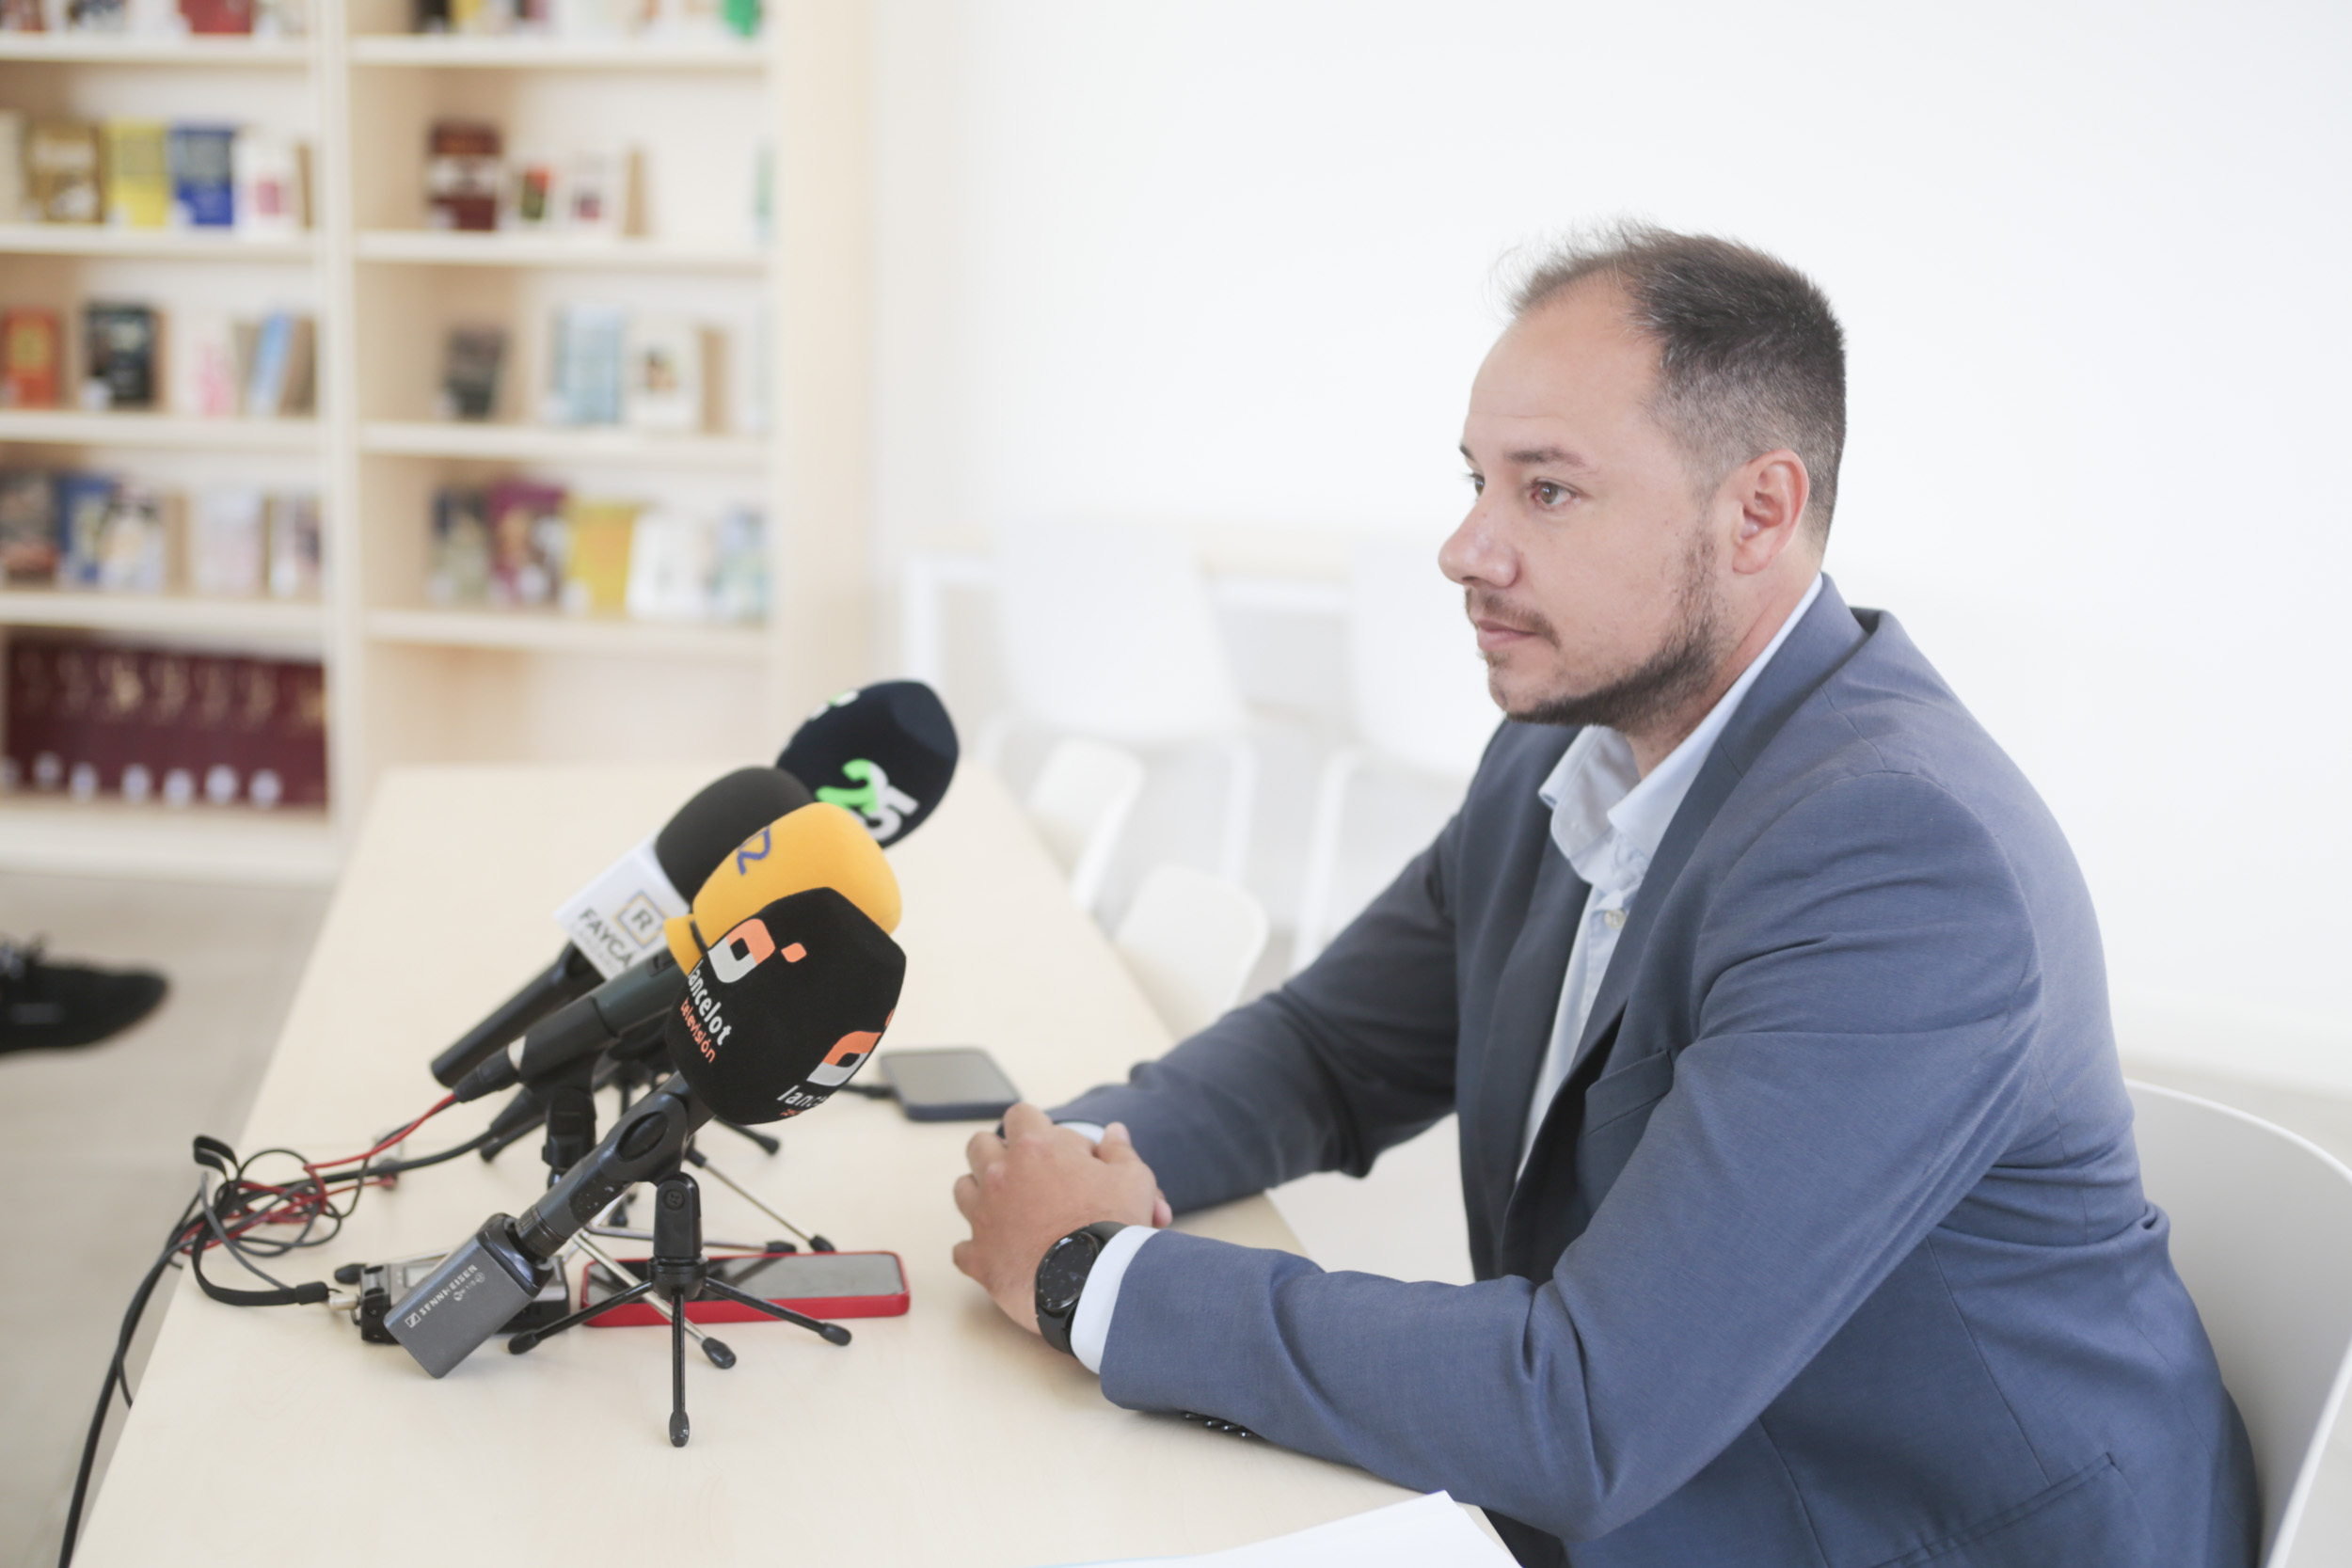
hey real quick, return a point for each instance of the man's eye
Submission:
(1477, 482)
(1549, 493)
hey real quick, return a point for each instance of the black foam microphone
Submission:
(783, 1010)
(886, 751)
(616, 920)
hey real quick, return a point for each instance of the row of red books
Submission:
(95, 719)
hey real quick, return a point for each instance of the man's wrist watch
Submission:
(1062, 1279)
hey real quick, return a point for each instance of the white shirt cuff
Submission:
(1090, 1326)
(1091, 1131)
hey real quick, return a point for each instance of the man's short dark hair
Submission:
(1750, 355)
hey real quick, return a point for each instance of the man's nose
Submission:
(1474, 553)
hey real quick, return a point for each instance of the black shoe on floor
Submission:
(45, 1004)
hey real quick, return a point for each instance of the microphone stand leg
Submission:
(833, 1334)
(702, 1162)
(717, 1351)
(679, 1428)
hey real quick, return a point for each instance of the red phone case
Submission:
(638, 1314)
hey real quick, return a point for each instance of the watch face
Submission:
(1062, 1276)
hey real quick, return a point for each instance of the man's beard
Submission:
(1661, 683)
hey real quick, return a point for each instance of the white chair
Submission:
(1190, 939)
(1418, 702)
(1109, 632)
(1079, 803)
(2262, 1235)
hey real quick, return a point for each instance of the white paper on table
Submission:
(1425, 1533)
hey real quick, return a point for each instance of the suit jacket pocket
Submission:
(2089, 1517)
(1621, 1091)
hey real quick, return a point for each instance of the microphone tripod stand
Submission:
(680, 1272)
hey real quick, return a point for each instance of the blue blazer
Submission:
(1831, 1252)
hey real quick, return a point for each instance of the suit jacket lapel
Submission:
(1527, 1002)
(1815, 649)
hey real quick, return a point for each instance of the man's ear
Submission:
(1771, 492)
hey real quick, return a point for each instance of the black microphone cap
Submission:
(786, 1007)
(885, 752)
(723, 814)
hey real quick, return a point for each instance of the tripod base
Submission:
(681, 1274)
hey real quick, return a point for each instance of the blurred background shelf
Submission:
(528, 632)
(520, 54)
(88, 48)
(67, 427)
(523, 443)
(442, 248)
(183, 844)
(162, 244)
(165, 614)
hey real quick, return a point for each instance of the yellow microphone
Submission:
(817, 846)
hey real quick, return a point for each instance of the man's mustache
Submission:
(1484, 604)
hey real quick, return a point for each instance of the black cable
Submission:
(400, 1167)
(117, 1373)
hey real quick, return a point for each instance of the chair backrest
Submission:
(1079, 804)
(1190, 939)
(1418, 691)
(1109, 631)
(2262, 1235)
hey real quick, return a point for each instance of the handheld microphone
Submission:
(816, 846)
(885, 752)
(784, 1010)
(617, 918)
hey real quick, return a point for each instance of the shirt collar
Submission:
(1607, 819)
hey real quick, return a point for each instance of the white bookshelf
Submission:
(453, 51)
(406, 681)
(171, 54)
(73, 428)
(160, 245)
(435, 248)
(165, 614)
(526, 443)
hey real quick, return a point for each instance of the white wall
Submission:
(1230, 263)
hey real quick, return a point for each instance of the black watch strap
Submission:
(1062, 1279)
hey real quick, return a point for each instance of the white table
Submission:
(944, 1436)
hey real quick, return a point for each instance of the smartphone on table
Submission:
(950, 1082)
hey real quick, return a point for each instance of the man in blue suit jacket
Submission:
(1802, 1200)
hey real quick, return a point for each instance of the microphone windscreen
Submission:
(786, 1006)
(885, 752)
(817, 846)
(723, 814)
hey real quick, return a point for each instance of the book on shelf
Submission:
(95, 719)
(118, 344)
(29, 529)
(472, 360)
(663, 386)
(23, 16)
(32, 360)
(64, 172)
(595, 569)
(228, 541)
(588, 347)
(463, 175)
(83, 501)
(202, 364)
(12, 207)
(137, 540)
(530, 543)
(282, 377)
(739, 590)
(138, 192)
(219, 16)
(599, 189)
(532, 202)
(458, 572)
(272, 178)
(204, 176)
(297, 558)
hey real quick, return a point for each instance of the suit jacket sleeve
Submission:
(1354, 1055)
(1868, 988)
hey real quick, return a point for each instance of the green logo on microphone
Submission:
(882, 808)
